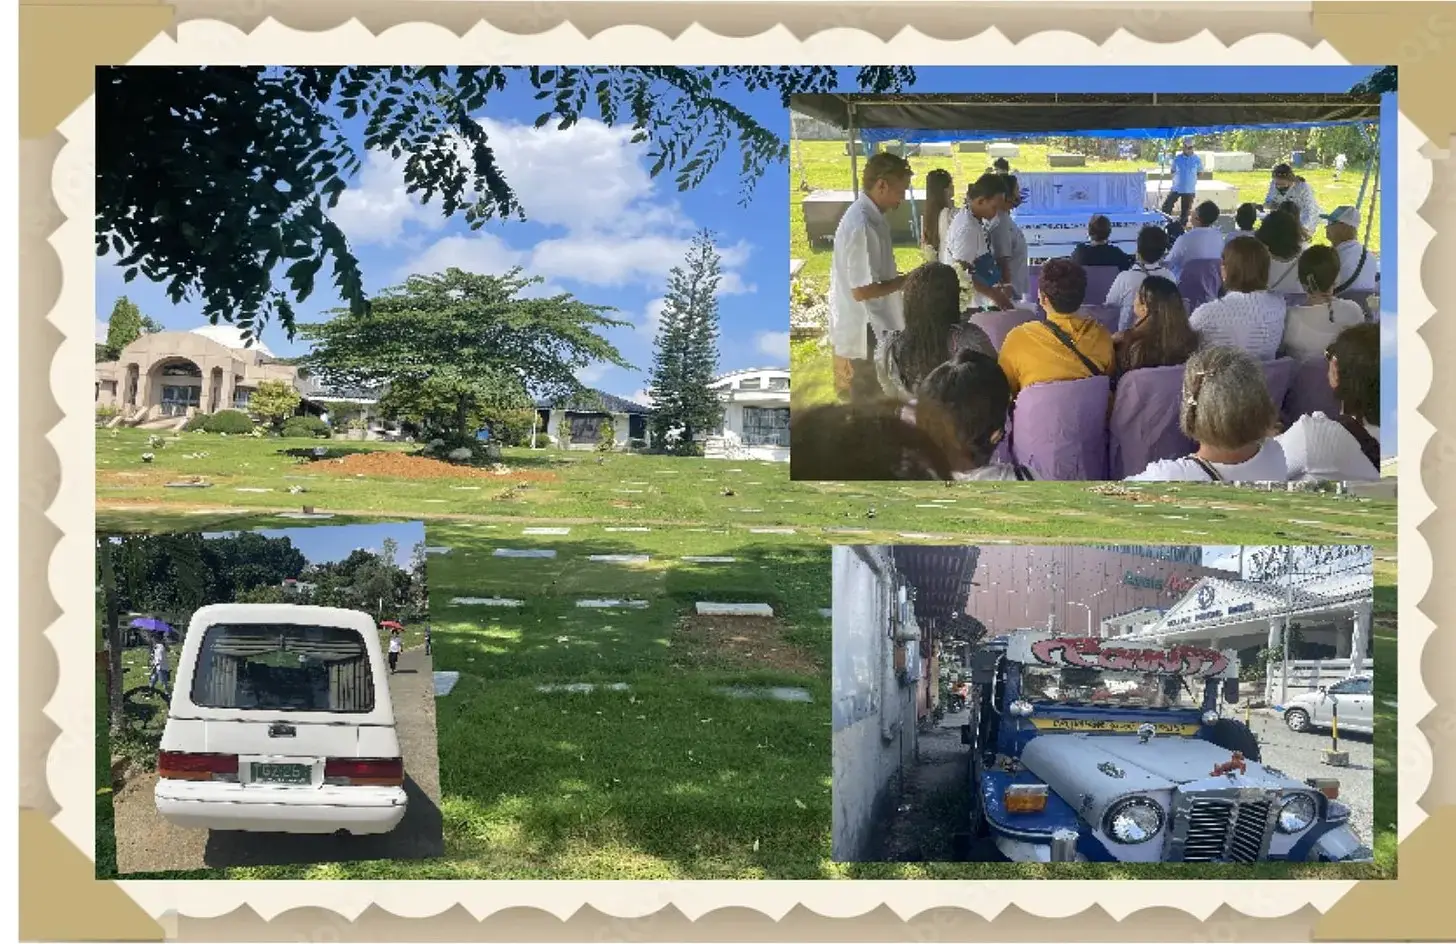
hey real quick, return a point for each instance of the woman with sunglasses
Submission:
(1343, 448)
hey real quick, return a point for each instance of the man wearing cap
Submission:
(1358, 266)
(865, 308)
(1184, 185)
(1285, 185)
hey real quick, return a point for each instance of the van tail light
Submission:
(364, 772)
(1025, 798)
(181, 765)
(1329, 786)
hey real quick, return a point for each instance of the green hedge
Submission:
(232, 422)
(305, 427)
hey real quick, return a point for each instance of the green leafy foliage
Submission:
(607, 436)
(232, 422)
(274, 402)
(457, 348)
(685, 356)
(305, 427)
(217, 181)
(125, 324)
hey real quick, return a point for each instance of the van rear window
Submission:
(283, 667)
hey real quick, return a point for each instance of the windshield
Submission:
(1103, 688)
(283, 668)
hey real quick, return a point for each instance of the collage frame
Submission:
(61, 44)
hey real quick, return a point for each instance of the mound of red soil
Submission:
(398, 465)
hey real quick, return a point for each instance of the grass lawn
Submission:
(826, 167)
(669, 778)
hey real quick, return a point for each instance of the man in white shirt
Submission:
(1285, 185)
(161, 669)
(967, 241)
(1342, 229)
(1203, 241)
(1339, 165)
(865, 307)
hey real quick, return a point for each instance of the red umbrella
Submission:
(391, 624)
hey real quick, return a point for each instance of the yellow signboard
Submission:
(1110, 727)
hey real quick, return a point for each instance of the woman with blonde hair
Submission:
(1228, 412)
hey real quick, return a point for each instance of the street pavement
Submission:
(147, 843)
(1302, 756)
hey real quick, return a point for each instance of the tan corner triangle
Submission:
(1402, 909)
(61, 46)
(1419, 39)
(60, 898)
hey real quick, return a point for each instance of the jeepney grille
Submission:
(1221, 830)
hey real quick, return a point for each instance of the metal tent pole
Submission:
(1369, 166)
(910, 194)
(854, 145)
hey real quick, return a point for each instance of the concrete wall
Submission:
(867, 765)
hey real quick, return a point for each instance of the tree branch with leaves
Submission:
(217, 181)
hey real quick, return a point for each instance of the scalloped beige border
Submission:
(523, 33)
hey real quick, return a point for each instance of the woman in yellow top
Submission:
(1066, 346)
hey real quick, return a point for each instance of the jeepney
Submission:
(1084, 750)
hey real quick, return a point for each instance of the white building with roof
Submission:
(1330, 618)
(755, 416)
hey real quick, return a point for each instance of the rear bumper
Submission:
(230, 806)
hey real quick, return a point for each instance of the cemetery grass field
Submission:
(658, 773)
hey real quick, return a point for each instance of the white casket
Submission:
(1057, 206)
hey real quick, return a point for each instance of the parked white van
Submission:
(281, 721)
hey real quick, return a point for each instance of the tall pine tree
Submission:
(126, 324)
(685, 358)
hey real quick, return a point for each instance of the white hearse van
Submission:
(281, 721)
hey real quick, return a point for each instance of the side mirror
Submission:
(1231, 691)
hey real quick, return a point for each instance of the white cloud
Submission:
(375, 208)
(589, 182)
(592, 373)
(641, 396)
(775, 344)
(652, 316)
(101, 328)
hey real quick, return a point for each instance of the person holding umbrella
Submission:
(161, 670)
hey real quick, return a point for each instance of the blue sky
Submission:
(597, 227)
(601, 229)
(326, 544)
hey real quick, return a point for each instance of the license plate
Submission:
(281, 773)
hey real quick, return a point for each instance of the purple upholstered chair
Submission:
(1294, 299)
(1309, 391)
(1099, 280)
(1144, 423)
(1278, 374)
(1061, 429)
(998, 324)
(1199, 282)
(1107, 315)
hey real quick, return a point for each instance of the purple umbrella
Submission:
(151, 625)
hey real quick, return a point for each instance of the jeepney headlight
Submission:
(1210, 717)
(1021, 709)
(1133, 820)
(1296, 813)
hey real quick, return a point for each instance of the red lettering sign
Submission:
(1085, 652)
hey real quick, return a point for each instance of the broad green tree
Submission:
(125, 324)
(216, 182)
(454, 346)
(274, 401)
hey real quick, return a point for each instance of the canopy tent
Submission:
(939, 117)
(948, 117)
